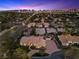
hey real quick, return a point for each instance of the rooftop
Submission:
(69, 39)
(37, 41)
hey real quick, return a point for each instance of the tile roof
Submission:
(68, 38)
(37, 41)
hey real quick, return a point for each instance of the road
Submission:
(56, 55)
(28, 19)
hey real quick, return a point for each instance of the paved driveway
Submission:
(51, 47)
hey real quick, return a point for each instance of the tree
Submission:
(71, 53)
(58, 41)
(19, 53)
(41, 52)
(8, 42)
(33, 31)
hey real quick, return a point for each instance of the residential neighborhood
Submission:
(42, 34)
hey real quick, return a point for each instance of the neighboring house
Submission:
(51, 30)
(39, 25)
(40, 31)
(27, 32)
(66, 39)
(31, 25)
(60, 19)
(46, 24)
(37, 41)
(60, 29)
(37, 19)
(67, 19)
(55, 19)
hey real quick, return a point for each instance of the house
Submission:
(31, 25)
(51, 30)
(55, 19)
(40, 31)
(39, 25)
(37, 19)
(37, 41)
(46, 24)
(42, 20)
(66, 39)
(60, 29)
(27, 31)
(67, 19)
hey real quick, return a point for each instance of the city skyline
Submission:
(38, 4)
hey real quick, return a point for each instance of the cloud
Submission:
(23, 6)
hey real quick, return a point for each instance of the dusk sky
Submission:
(38, 4)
